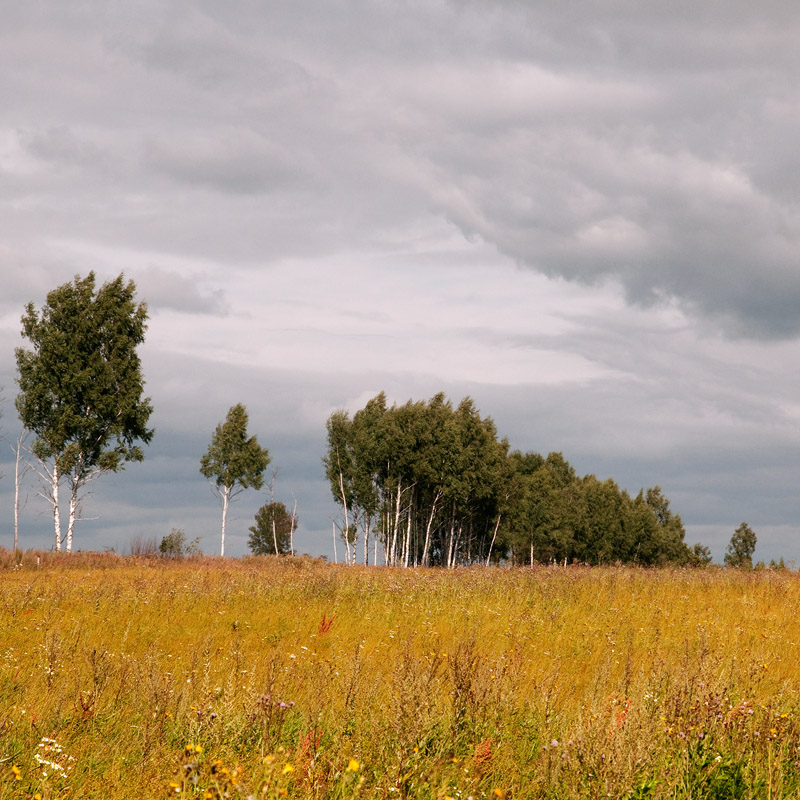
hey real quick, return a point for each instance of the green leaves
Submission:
(81, 383)
(272, 531)
(234, 462)
(233, 459)
(434, 476)
(741, 548)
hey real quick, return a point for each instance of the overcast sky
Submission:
(585, 216)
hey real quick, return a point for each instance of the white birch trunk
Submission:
(344, 502)
(73, 511)
(56, 510)
(226, 498)
(407, 545)
(428, 527)
(18, 474)
(333, 527)
(396, 525)
(494, 536)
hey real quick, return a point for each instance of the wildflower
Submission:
(353, 765)
(288, 769)
(498, 792)
(17, 773)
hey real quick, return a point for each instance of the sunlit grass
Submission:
(270, 678)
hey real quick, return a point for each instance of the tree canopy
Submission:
(234, 461)
(272, 532)
(432, 483)
(741, 548)
(81, 385)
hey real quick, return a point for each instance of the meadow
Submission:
(267, 677)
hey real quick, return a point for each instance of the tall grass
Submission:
(143, 678)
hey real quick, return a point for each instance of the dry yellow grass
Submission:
(267, 678)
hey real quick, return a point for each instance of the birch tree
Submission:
(81, 387)
(21, 469)
(234, 462)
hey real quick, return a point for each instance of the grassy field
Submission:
(124, 678)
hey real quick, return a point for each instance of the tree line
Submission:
(430, 483)
(420, 484)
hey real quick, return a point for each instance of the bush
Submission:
(174, 545)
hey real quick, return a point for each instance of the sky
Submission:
(584, 216)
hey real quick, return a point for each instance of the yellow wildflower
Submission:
(17, 773)
(288, 769)
(353, 765)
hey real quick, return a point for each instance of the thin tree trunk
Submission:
(293, 523)
(333, 526)
(426, 547)
(73, 512)
(56, 511)
(396, 525)
(226, 496)
(272, 506)
(17, 480)
(494, 536)
(407, 547)
(344, 498)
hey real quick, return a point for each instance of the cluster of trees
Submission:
(81, 396)
(430, 483)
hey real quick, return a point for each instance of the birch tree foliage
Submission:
(422, 479)
(81, 386)
(233, 462)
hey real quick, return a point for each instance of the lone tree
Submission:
(741, 548)
(233, 461)
(273, 529)
(81, 387)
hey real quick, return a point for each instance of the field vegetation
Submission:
(288, 677)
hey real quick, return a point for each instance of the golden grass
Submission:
(126, 678)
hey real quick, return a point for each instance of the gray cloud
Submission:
(165, 288)
(235, 161)
(324, 201)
